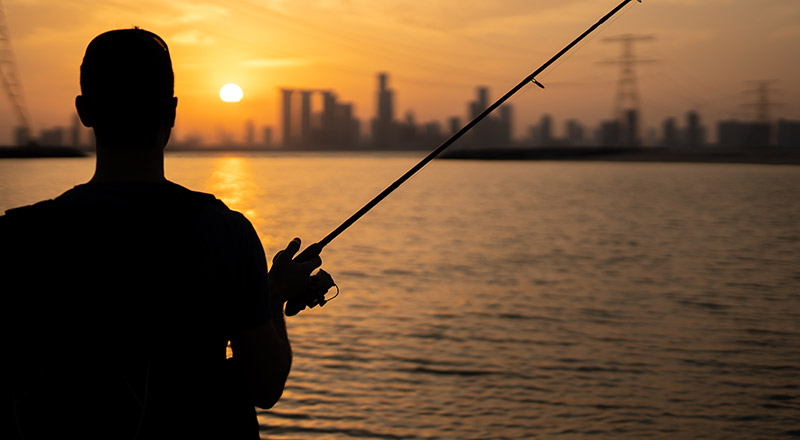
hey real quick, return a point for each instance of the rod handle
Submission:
(295, 305)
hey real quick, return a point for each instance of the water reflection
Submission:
(513, 300)
(519, 300)
(231, 181)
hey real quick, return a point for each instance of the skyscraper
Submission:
(287, 117)
(575, 132)
(305, 116)
(383, 125)
(695, 134)
(630, 126)
(76, 131)
(546, 130)
(249, 133)
(671, 138)
(481, 135)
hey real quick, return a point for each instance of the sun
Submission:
(231, 93)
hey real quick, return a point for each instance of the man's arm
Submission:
(264, 351)
(266, 358)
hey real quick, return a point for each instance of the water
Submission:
(515, 300)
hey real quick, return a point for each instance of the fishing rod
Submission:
(322, 282)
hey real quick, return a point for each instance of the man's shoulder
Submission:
(173, 192)
(209, 202)
(166, 199)
(38, 207)
(27, 215)
(211, 214)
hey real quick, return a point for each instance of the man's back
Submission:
(119, 297)
(120, 300)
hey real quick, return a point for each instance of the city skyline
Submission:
(319, 119)
(707, 55)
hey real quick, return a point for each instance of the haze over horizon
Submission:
(706, 55)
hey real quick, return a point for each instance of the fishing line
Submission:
(521, 93)
(572, 53)
(530, 78)
(315, 296)
(583, 44)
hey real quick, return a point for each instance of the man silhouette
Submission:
(122, 294)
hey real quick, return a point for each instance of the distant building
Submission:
(788, 133)
(737, 134)
(22, 136)
(338, 127)
(76, 131)
(225, 137)
(250, 133)
(731, 134)
(504, 127)
(629, 129)
(454, 124)
(305, 118)
(575, 133)
(545, 131)
(432, 131)
(610, 134)
(671, 137)
(479, 105)
(407, 130)
(533, 134)
(492, 131)
(286, 113)
(384, 126)
(52, 137)
(334, 127)
(267, 130)
(480, 135)
(651, 137)
(695, 133)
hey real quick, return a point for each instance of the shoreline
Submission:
(762, 156)
(753, 155)
(35, 152)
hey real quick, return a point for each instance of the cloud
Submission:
(267, 63)
(192, 13)
(192, 37)
(511, 19)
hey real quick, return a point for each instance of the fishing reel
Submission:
(318, 286)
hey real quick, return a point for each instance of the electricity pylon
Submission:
(10, 77)
(628, 102)
(763, 104)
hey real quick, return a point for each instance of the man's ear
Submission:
(84, 111)
(173, 105)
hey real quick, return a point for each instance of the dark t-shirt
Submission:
(119, 300)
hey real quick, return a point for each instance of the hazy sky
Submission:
(705, 54)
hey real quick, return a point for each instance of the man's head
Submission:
(127, 87)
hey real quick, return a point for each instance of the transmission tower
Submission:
(627, 104)
(763, 104)
(10, 78)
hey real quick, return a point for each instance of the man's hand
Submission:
(264, 351)
(289, 276)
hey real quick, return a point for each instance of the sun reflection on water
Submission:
(233, 181)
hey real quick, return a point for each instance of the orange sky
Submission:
(436, 52)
